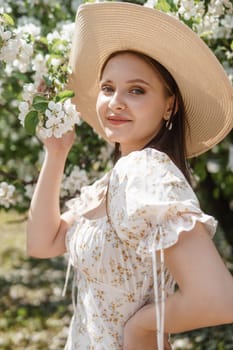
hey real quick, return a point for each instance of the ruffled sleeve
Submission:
(150, 203)
(90, 197)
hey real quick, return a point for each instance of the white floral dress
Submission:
(118, 256)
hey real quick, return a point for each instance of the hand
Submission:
(59, 146)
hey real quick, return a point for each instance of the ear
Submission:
(172, 107)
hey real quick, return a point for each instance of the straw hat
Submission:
(103, 28)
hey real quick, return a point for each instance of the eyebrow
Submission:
(138, 80)
(131, 81)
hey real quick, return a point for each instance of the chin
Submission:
(112, 137)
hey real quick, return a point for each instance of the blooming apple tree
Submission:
(35, 39)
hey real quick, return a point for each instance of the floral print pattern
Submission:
(118, 256)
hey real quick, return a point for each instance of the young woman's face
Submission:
(132, 103)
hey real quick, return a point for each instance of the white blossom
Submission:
(23, 60)
(213, 166)
(59, 119)
(29, 190)
(7, 193)
(39, 66)
(5, 35)
(151, 3)
(55, 35)
(183, 343)
(74, 182)
(28, 92)
(218, 7)
(67, 31)
(64, 33)
(55, 62)
(17, 51)
(190, 9)
(28, 28)
(5, 7)
(217, 22)
(106, 152)
(227, 21)
(24, 109)
(10, 49)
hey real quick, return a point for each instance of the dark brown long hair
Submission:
(172, 142)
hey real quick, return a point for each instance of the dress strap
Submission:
(74, 282)
(159, 299)
(66, 278)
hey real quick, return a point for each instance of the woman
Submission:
(139, 229)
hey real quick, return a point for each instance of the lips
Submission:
(118, 119)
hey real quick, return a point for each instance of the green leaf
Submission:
(40, 103)
(232, 45)
(44, 40)
(41, 106)
(64, 95)
(31, 121)
(57, 45)
(48, 81)
(39, 98)
(163, 5)
(9, 20)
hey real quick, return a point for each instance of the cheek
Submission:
(100, 104)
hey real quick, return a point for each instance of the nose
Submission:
(117, 102)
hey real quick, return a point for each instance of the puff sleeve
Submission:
(150, 201)
(90, 197)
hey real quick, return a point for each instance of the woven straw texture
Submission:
(104, 28)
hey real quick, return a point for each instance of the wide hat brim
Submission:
(104, 28)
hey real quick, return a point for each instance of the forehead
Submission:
(129, 64)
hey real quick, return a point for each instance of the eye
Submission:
(137, 91)
(107, 89)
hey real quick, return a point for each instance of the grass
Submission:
(33, 314)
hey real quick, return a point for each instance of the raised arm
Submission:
(46, 227)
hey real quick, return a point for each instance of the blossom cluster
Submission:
(53, 115)
(190, 9)
(15, 46)
(72, 183)
(218, 21)
(60, 118)
(57, 119)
